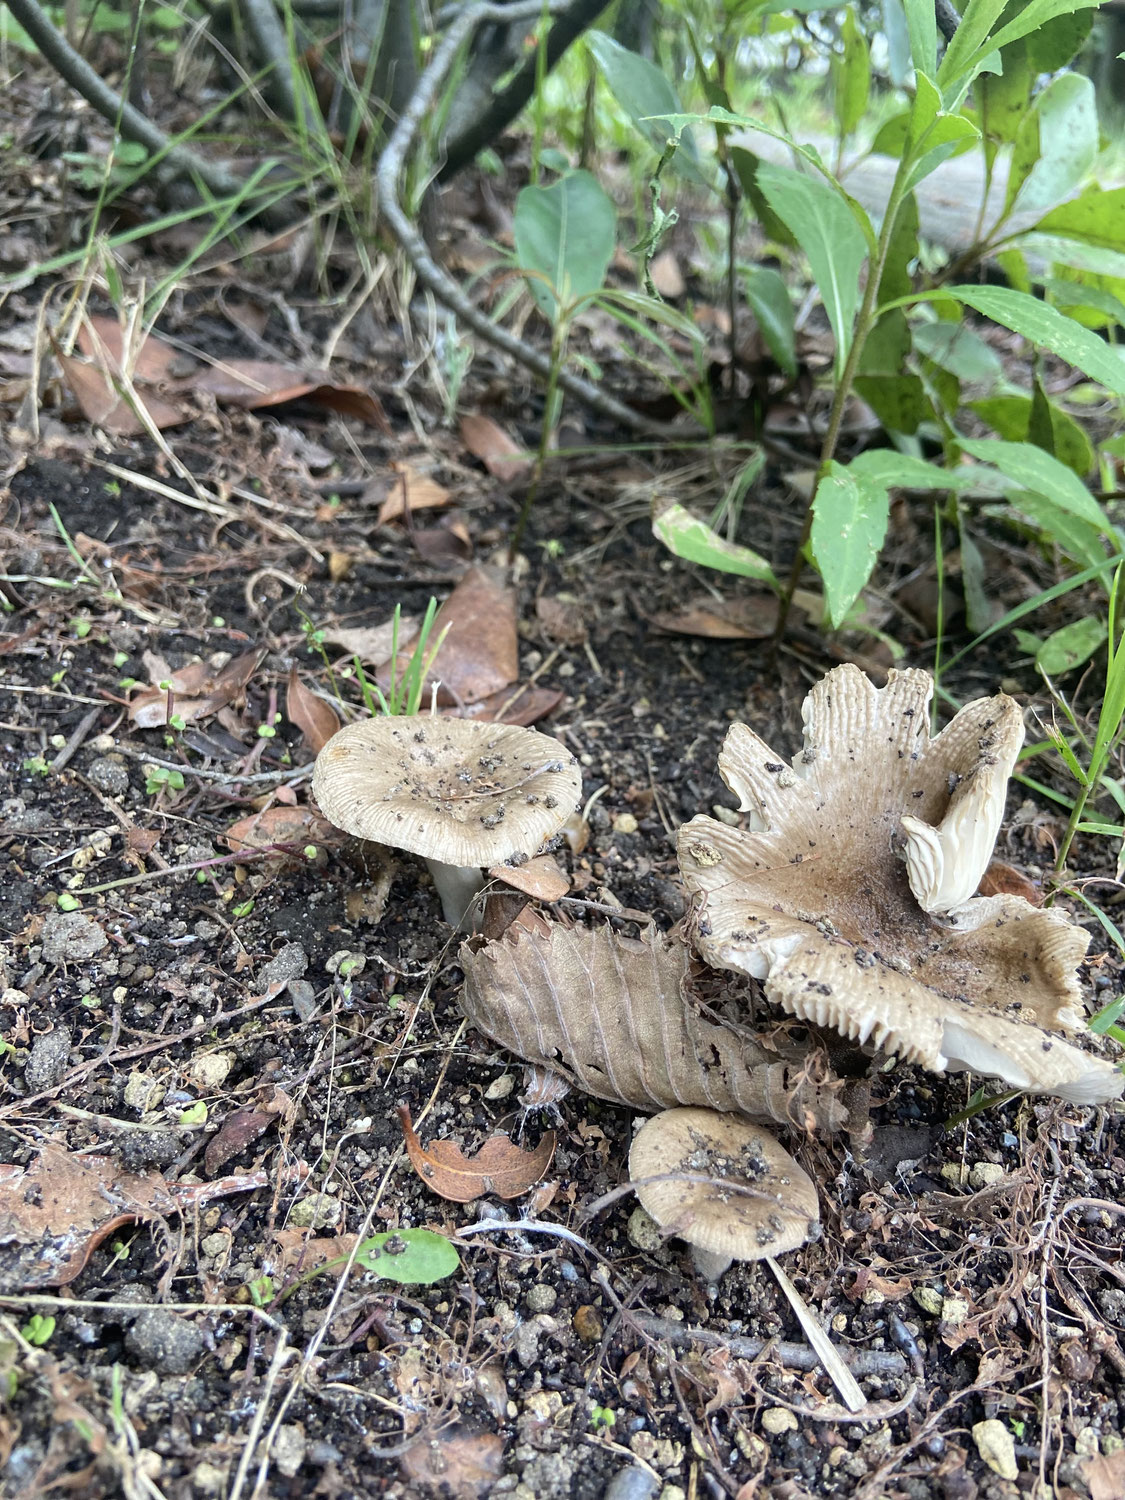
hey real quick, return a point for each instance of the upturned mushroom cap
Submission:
(740, 1194)
(452, 790)
(850, 898)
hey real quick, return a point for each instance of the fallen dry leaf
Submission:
(513, 705)
(299, 1251)
(55, 1213)
(412, 490)
(563, 619)
(617, 1018)
(1105, 1474)
(1005, 880)
(540, 878)
(238, 1130)
(480, 653)
(456, 1463)
(296, 826)
(316, 719)
(500, 1166)
(102, 405)
(446, 545)
(501, 455)
(750, 617)
(666, 275)
(194, 692)
(372, 643)
(256, 383)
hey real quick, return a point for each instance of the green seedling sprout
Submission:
(404, 695)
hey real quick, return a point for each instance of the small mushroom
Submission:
(461, 794)
(723, 1184)
(851, 896)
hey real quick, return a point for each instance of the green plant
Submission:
(404, 694)
(161, 779)
(411, 1257)
(38, 1329)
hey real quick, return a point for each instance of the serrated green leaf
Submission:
(1096, 217)
(566, 233)
(850, 515)
(853, 76)
(412, 1257)
(1069, 647)
(960, 350)
(1049, 329)
(771, 304)
(1010, 417)
(826, 230)
(973, 44)
(1032, 469)
(1004, 98)
(1055, 145)
(644, 92)
(688, 537)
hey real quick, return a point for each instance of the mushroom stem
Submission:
(458, 886)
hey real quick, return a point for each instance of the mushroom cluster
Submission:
(461, 794)
(851, 894)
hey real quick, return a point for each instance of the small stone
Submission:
(587, 1324)
(165, 1342)
(48, 1060)
(983, 1174)
(70, 937)
(928, 1299)
(289, 962)
(633, 1483)
(954, 1310)
(997, 1447)
(323, 1452)
(541, 1298)
(207, 1479)
(779, 1419)
(206, 929)
(955, 1172)
(215, 1246)
(644, 1232)
(289, 1448)
(142, 1093)
(302, 992)
(526, 1344)
(316, 1211)
(109, 775)
(624, 823)
(208, 1070)
(500, 1087)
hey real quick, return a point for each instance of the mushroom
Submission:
(851, 894)
(723, 1184)
(462, 794)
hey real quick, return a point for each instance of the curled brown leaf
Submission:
(500, 1166)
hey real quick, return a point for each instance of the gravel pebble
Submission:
(69, 937)
(165, 1342)
(541, 1298)
(289, 962)
(289, 1449)
(526, 1344)
(47, 1063)
(633, 1483)
(109, 775)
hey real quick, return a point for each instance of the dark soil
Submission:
(984, 1297)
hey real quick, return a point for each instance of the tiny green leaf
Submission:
(565, 237)
(1071, 646)
(413, 1257)
(688, 537)
(771, 304)
(850, 514)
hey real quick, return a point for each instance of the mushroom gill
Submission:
(851, 894)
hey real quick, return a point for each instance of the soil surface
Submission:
(205, 1046)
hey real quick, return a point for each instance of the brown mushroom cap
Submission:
(452, 790)
(741, 1194)
(851, 896)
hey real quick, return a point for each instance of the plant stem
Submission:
(863, 325)
(558, 347)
